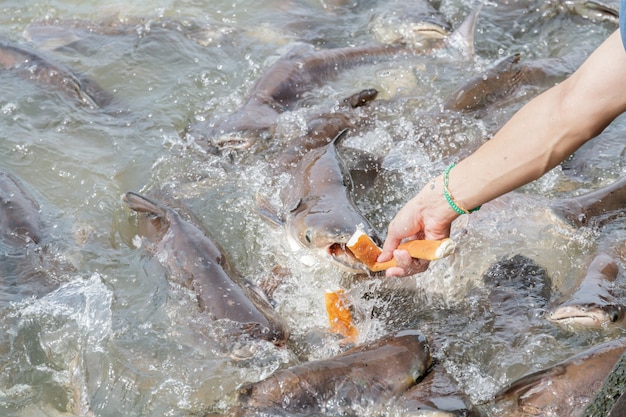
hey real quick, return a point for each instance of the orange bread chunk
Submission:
(365, 250)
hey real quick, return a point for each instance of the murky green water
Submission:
(114, 338)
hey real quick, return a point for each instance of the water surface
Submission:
(111, 337)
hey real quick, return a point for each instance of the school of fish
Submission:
(316, 183)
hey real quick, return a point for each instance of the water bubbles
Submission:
(9, 108)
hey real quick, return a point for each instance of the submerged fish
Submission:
(563, 389)
(318, 211)
(61, 33)
(519, 288)
(362, 376)
(595, 207)
(20, 218)
(593, 304)
(33, 66)
(28, 265)
(193, 260)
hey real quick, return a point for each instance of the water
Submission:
(112, 337)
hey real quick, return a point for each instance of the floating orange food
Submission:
(339, 315)
(365, 250)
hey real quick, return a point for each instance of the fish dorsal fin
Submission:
(462, 39)
(339, 137)
(142, 204)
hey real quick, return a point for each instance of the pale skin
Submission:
(537, 138)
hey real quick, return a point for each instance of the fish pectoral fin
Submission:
(257, 294)
(267, 212)
(270, 282)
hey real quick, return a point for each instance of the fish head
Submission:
(326, 232)
(588, 314)
(252, 124)
(596, 11)
(414, 23)
(408, 358)
(422, 354)
(570, 211)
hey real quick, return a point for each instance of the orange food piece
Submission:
(339, 315)
(365, 250)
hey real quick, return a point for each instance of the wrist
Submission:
(434, 203)
(454, 204)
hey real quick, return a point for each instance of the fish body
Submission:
(364, 375)
(593, 304)
(503, 80)
(33, 66)
(563, 389)
(193, 260)
(489, 87)
(20, 220)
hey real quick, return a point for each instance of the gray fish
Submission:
(593, 304)
(28, 265)
(593, 208)
(595, 11)
(72, 32)
(364, 375)
(503, 79)
(563, 389)
(20, 217)
(436, 395)
(294, 74)
(193, 260)
(33, 66)
(318, 211)
(280, 88)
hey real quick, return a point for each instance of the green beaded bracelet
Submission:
(446, 193)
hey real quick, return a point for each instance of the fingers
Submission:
(406, 265)
(391, 243)
(400, 228)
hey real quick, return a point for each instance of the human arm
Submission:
(536, 139)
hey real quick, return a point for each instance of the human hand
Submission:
(425, 216)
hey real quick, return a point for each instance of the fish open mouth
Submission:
(342, 255)
(582, 317)
(587, 320)
(430, 30)
(233, 142)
